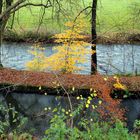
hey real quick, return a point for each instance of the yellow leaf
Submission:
(73, 88)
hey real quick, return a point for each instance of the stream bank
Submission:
(131, 37)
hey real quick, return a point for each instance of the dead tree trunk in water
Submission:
(94, 38)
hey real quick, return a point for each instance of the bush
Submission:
(79, 124)
(59, 130)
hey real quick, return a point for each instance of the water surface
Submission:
(111, 59)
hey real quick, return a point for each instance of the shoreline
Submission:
(107, 38)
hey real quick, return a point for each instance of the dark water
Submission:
(112, 59)
(34, 106)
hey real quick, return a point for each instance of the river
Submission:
(111, 59)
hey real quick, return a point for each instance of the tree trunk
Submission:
(94, 38)
(0, 46)
(3, 22)
(2, 27)
(1, 4)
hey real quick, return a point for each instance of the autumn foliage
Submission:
(37, 64)
(109, 109)
(70, 52)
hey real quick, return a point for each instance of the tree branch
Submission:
(13, 6)
(31, 4)
(17, 5)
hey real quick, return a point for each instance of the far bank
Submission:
(131, 37)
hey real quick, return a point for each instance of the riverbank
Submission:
(46, 38)
(42, 82)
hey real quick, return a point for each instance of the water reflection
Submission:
(32, 106)
(112, 59)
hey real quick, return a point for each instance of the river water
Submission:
(38, 108)
(111, 59)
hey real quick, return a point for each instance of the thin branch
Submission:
(89, 7)
(70, 103)
(31, 4)
(41, 20)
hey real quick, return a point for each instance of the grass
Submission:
(113, 16)
(119, 15)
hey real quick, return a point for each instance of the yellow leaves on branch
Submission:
(72, 50)
(118, 85)
(37, 64)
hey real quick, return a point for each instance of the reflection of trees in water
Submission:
(32, 107)
(15, 110)
(120, 59)
(132, 111)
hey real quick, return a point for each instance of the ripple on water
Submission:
(112, 59)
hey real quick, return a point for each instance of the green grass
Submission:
(118, 15)
(113, 16)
